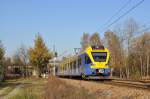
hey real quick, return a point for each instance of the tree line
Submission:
(129, 49)
(37, 56)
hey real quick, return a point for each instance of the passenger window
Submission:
(79, 61)
(74, 64)
(87, 60)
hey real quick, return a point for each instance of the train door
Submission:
(87, 64)
(79, 65)
(82, 69)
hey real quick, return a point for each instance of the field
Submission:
(59, 88)
(33, 88)
(30, 88)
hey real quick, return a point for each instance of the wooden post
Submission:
(148, 65)
(141, 66)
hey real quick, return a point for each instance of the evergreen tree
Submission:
(39, 55)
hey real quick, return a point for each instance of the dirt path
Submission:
(3, 90)
(105, 91)
(14, 92)
(12, 88)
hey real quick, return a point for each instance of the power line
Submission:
(143, 30)
(132, 8)
(124, 6)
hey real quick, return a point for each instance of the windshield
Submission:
(99, 56)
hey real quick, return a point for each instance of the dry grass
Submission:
(53, 89)
(58, 89)
(27, 93)
(32, 89)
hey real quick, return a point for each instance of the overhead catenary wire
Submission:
(123, 7)
(124, 14)
(143, 30)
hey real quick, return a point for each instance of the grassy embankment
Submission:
(53, 89)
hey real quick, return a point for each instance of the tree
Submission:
(141, 51)
(17, 62)
(129, 51)
(84, 41)
(23, 51)
(39, 55)
(116, 51)
(95, 39)
(131, 27)
(2, 53)
(7, 62)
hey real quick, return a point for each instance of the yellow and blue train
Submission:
(94, 61)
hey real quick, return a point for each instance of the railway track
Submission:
(129, 83)
(120, 82)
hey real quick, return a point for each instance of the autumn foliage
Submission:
(39, 55)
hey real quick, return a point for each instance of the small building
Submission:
(52, 66)
(16, 71)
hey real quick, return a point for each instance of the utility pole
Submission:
(77, 50)
(54, 60)
(148, 65)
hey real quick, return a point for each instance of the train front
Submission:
(99, 57)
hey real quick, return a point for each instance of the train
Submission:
(92, 62)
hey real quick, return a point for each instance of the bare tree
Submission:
(95, 39)
(131, 27)
(2, 53)
(114, 46)
(23, 53)
(141, 48)
(7, 62)
(129, 51)
(17, 62)
(85, 41)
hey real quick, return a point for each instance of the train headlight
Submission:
(101, 70)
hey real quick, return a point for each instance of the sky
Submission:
(61, 22)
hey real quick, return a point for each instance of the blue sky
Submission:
(60, 22)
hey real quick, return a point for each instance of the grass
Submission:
(26, 93)
(9, 89)
(32, 89)
(29, 87)
(53, 89)
(7, 86)
(58, 89)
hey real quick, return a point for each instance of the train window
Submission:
(71, 66)
(68, 65)
(79, 61)
(97, 47)
(74, 64)
(87, 60)
(99, 56)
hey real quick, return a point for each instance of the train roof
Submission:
(90, 48)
